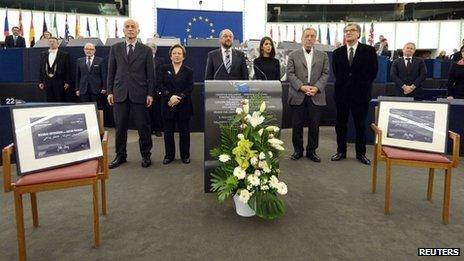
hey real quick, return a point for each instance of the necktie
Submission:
(131, 51)
(88, 63)
(227, 61)
(15, 37)
(350, 58)
(308, 51)
(408, 64)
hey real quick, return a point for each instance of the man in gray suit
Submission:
(225, 63)
(307, 72)
(130, 90)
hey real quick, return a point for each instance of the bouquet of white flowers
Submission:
(249, 162)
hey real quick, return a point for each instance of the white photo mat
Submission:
(414, 125)
(26, 118)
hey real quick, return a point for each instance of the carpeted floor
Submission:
(161, 213)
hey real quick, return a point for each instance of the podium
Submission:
(221, 100)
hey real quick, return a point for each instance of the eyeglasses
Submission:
(350, 30)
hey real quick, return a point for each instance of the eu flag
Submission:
(198, 24)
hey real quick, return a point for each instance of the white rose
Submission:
(282, 188)
(271, 136)
(239, 173)
(265, 167)
(262, 156)
(240, 136)
(244, 196)
(253, 180)
(239, 111)
(243, 126)
(257, 173)
(254, 161)
(274, 182)
(262, 108)
(224, 158)
(276, 129)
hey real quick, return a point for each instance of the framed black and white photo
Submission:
(414, 125)
(54, 135)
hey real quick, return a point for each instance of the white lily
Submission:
(246, 108)
(239, 111)
(261, 132)
(262, 108)
(240, 136)
(275, 141)
(277, 147)
(262, 155)
(256, 119)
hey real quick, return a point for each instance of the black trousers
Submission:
(54, 90)
(184, 137)
(155, 115)
(90, 97)
(306, 112)
(139, 111)
(359, 114)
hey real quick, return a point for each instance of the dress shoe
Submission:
(338, 156)
(363, 159)
(186, 160)
(296, 156)
(167, 161)
(313, 156)
(116, 162)
(158, 133)
(146, 162)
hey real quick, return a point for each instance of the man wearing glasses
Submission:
(355, 68)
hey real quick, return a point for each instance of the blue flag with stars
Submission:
(198, 24)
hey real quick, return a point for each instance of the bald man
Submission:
(130, 91)
(90, 76)
(225, 63)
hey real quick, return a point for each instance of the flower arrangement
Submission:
(249, 161)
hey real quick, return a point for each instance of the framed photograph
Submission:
(414, 125)
(50, 136)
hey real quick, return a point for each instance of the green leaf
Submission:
(223, 183)
(266, 205)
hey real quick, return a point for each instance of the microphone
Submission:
(219, 68)
(254, 66)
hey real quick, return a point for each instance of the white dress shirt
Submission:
(309, 62)
(355, 46)
(223, 51)
(406, 61)
(52, 56)
(91, 59)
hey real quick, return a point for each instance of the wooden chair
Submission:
(80, 174)
(404, 157)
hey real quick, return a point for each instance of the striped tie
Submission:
(227, 61)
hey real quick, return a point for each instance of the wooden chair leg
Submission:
(96, 221)
(35, 213)
(18, 198)
(103, 195)
(430, 184)
(446, 196)
(387, 187)
(374, 171)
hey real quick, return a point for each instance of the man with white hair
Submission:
(90, 76)
(225, 63)
(130, 91)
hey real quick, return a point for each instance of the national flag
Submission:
(6, 28)
(55, 28)
(21, 30)
(88, 28)
(294, 33)
(328, 34)
(32, 32)
(77, 33)
(44, 25)
(371, 35)
(270, 33)
(98, 30)
(363, 34)
(319, 38)
(336, 34)
(66, 28)
(116, 28)
(278, 33)
(286, 32)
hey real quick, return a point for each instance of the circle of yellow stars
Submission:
(200, 19)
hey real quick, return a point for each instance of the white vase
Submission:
(243, 209)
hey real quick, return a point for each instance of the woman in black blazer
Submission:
(266, 66)
(176, 85)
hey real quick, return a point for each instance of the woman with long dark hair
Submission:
(266, 67)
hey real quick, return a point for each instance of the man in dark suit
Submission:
(130, 91)
(355, 68)
(155, 113)
(307, 72)
(54, 72)
(90, 76)
(409, 73)
(225, 63)
(15, 40)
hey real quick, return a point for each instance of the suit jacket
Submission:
(416, 75)
(93, 80)
(20, 42)
(62, 67)
(297, 75)
(157, 63)
(215, 68)
(180, 84)
(354, 83)
(130, 78)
